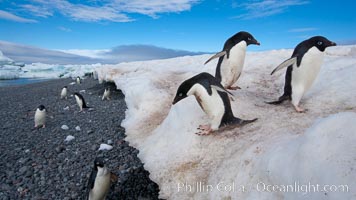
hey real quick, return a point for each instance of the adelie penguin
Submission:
(213, 98)
(80, 101)
(64, 92)
(99, 181)
(106, 94)
(303, 68)
(40, 116)
(232, 58)
(78, 80)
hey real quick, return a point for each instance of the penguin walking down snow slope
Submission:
(303, 68)
(80, 101)
(99, 181)
(64, 92)
(40, 116)
(213, 98)
(232, 58)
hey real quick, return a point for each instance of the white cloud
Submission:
(62, 28)
(264, 8)
(100, 53)
(39, 11)
(9, 16)
(110, 10)
(126, 53)
(300, 30)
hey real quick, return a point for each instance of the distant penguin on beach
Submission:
(303, 68)
(213, 98)
(78, 80)
(64, 92)
(40, 116)
(99, 181)
(232, 58)
(106, 94)
(80, 101)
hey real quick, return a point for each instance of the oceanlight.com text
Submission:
(296, 187)
(301, 188)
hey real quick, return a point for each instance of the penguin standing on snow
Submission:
(106, 94)
(80, 101)
(232, 58)
(79, 80)
(40, 116)
(213, 99)
(303, 68)
(99, 181)
(64, 92)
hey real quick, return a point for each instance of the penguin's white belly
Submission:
(304, 75)
(79, 102)
(101, 187)
(212, 105)
(64, 93)
(231, 67)
(40, 117)
(106, 94)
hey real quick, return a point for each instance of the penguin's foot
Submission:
(299, 109)
(204, 130)
(233, 88)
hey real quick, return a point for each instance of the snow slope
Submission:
(283, 148)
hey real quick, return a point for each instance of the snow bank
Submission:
(41, 70)
(278, 149)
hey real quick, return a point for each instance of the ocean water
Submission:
(21, 81)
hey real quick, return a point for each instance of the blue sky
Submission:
(192, 25)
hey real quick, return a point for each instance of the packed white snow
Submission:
(280, 156)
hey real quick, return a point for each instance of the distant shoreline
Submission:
(22, 81)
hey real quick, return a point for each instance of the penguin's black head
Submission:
(41, 107)
(182, 91)
(99, 162)
(321, 42)
(244, 36)
(65, 87)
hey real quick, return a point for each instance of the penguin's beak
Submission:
(257, 43)
(332, 44)
(177, 99)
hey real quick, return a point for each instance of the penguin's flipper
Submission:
(235, 122)
(221, 89)
(280, 100)
(284, 64)
(91, 182)
(244, 122)
(218, 55)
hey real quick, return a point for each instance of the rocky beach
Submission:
(38, 163)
